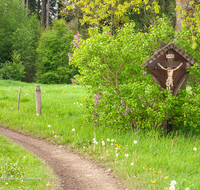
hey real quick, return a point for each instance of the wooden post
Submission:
(18, 98)
(38, 99)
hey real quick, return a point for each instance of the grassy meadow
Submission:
(20, 169)
(141, 159)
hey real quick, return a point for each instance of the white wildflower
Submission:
(135, 142)
(132, 163)
(73, 129)
(172, 187)
(126, 155)
(187, 188)
(49, 125)
(117, 154)
(173, 182)
(195, 149)
(108, 139)
(103, 143)
(111, 144)
(112, 140)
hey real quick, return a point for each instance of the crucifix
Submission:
(168, 68)
(170, 71)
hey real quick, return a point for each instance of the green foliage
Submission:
(155, 156)
(13, 70)
(52, 61)
(110, 13)
(112, 66)
(18, 33)
(25, 41)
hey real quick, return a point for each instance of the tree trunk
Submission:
(47, 24)
(184, 6)
(38, 9)
(26, 4)
(44, 13)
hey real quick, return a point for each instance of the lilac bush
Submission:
(112, 65)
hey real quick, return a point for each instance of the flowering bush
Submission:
(122, 93)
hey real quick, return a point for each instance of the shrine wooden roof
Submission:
(163, 50)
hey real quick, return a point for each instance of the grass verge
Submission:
(20, 169)
(142, 159)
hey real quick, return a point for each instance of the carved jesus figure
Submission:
(170, 71)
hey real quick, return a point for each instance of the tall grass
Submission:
(20, 169)
(142, 159)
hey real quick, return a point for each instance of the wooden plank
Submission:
(166, 64)
(181, 81)
(155, 78)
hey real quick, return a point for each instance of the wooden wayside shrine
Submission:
(173, 58)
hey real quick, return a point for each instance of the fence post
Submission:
(38, 99)
(18, 98)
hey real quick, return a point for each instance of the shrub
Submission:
(19, 33)
(13, 70)
(122, 93)
(52, 61)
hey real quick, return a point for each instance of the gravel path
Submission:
(74, 172)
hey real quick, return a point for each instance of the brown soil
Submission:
(74, 172)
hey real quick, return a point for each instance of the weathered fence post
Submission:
(38, 99)
(18, 98)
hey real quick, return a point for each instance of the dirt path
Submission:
(75, 172)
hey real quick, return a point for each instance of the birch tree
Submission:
(109, 12)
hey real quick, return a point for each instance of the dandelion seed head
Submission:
(195, 149)
(172, 187)
(103, 143)
(173, 182)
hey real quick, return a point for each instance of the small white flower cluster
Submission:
(103, 143)
(94, 141)
(172, 185)
(73, 129)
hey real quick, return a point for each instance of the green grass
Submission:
(152, 163)
(20, 169)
